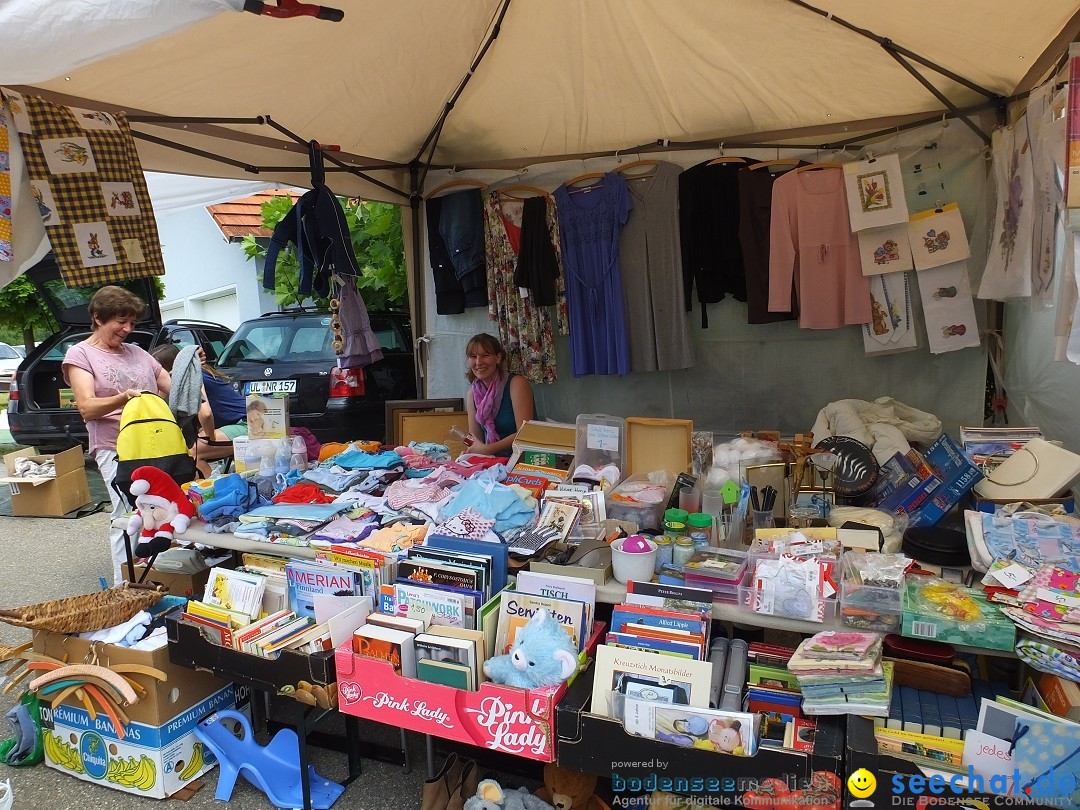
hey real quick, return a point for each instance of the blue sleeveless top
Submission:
(505, 424)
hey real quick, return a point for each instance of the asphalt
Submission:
(43, 559)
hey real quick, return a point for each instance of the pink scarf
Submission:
(488, 400)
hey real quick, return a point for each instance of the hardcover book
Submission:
(447, 673)
(439, 574)
(237, 591)
(672, 597)
(385, 644)
(475, 562)
(442, 648)
(429, 605)
(691, 679)
(516, 609)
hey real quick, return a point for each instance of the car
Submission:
(37, 414)
(292, 352)
(9, 362)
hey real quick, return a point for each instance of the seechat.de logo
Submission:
(861, 785)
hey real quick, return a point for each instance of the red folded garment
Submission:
(302, 493)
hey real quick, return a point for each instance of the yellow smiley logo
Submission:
(862, 783)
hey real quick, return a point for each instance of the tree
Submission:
(375, 230)
(21, 312)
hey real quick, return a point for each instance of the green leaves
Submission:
(377, 241)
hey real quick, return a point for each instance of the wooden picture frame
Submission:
(394, 407)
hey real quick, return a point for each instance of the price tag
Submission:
(1057, 598)
(602, 437)
(1012, 576)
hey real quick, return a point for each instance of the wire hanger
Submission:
(464, 181)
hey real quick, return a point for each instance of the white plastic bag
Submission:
(7, 796)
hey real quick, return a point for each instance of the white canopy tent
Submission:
(411, 90)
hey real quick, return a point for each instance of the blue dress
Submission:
(589, 227)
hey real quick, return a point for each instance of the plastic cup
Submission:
(690, 499)
(712, 502)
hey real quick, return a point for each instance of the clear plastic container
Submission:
(648, 516)
(601, 440)
(872, 593)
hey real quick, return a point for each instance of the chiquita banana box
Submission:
(151, 761)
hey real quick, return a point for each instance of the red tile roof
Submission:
(243, 217)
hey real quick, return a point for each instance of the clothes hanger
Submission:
(464, 181)
(723, 159)
(503, 192)
(776, 162)
(581, 178)
(638, 163)
(823, 165)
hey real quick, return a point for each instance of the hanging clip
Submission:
(286, 9)
(617, 158)
(870, 157)
(938, 206)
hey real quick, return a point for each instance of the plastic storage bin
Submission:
(648, 516)
(601, 440)
(870, 604)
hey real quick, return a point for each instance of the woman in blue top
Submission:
(498, 402)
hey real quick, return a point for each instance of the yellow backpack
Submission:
(149, 435)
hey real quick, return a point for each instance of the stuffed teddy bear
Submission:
(491, 796)
(569, 790)
(162, 510)
(543, 654)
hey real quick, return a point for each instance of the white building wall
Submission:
(202, 269)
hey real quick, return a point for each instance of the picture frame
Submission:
(593, 506)
(395, 407)
(559, 515)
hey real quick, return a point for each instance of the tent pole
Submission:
(436, 128)
(417, 315)
(935, 92)
(168, 119)
(326, 155)
(191, 150)
(880, 40)
(869, 136)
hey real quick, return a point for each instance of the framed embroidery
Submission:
(875, 193)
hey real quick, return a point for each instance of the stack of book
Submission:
(238, 594)
(308, 579)
(773, 692)
(276, 592)
(924, 712)
(436, 589)
(659, 630)
(841, 672)
(452, 656)
(571, 601)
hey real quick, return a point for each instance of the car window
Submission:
(8, 353)
(390, 339)
(182, 337)
(313, 339)
(58, 351)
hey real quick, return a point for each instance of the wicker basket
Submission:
(86, 613)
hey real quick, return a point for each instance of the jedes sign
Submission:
(501, 718)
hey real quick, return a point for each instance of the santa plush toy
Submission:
(162, 510)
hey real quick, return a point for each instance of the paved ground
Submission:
(42, 559)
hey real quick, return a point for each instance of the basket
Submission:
(86, 613)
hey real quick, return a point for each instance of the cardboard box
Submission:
(48, 497)
(933, 487)
(168, 755)
(182, 687)
(67, 398)
(496, 717)
(598, 744)
(552, 444)
(274, 416)
(657, 444)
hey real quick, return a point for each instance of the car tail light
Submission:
(346, 382)
(13, 392)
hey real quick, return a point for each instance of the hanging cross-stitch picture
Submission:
(120, 199)
(94, 119)
(875, 192)
(937, 237)
(948, 308)
(95, 245)
(43, 196)
(885, 250)
(68, 155)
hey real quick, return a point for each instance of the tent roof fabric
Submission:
(563, 77)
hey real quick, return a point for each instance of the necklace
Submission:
(104, 347)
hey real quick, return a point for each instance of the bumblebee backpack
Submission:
(149, 435)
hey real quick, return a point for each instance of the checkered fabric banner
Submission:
(6, 251)
(90, 191)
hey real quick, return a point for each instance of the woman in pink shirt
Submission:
(105, 373)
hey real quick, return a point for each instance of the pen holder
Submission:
(763, 519)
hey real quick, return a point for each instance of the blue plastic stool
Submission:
(273, 769)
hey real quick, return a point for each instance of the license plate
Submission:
(270, 387)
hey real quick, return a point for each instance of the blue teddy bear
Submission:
(543, 654)
(490, 795)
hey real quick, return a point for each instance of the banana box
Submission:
(150, 761)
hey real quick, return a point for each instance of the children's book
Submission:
(727, 732)
(646, 620)
(556, 586)
(237, 591)
(516, 609)
(308, 578)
